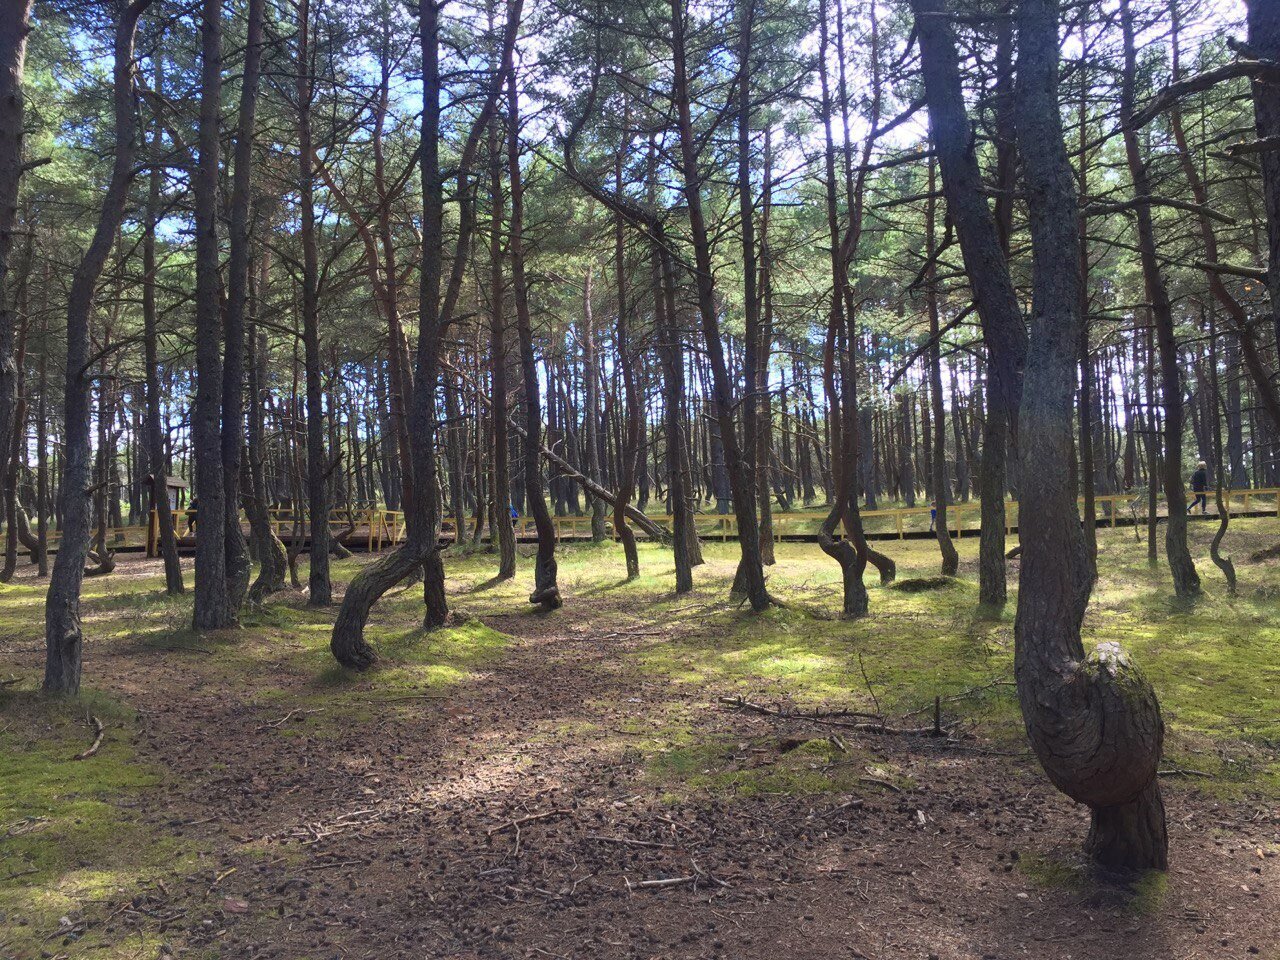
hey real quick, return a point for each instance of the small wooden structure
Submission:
(175, 500)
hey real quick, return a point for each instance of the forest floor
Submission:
(571, 785)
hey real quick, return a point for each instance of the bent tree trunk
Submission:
(1094, 722)
(347, 641)
(63, 634)
(841, 340)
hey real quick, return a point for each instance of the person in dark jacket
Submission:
(1200, 487)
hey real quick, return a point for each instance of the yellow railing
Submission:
(382, 528)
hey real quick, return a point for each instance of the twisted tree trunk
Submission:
(1094, 722)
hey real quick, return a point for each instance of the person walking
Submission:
(1200, 487)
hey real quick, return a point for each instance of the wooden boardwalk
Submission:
(373, 531)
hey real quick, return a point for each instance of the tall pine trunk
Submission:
(63, 632)
(546, 592)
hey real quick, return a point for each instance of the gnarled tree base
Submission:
(1131, 836)
(347, 642)
(884, 564)
(271, 569)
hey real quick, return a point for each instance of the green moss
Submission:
(68, 839)
(759, 767)
(1147, 893)
(1053, 873)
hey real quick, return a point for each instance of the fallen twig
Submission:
(629, 841)
(963, 695)
(285, 719)
(873, 726)
(669, 882)
(99, 731)
(220, 877)
(331, 866)
(1182, 772)
(847, 805)
(516, 824)
(881, 783)
(693, 878)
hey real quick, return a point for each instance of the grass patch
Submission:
(66, 839)
(762, 767)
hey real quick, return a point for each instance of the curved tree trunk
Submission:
(63, 632)
(1094, 722)
(347, 641)
(843, 404)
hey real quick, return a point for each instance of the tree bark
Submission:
(1186, 582)
(941, 482)
(1003, 330)
(14, 28)
(421, 546)
(546, 591)
(1264, 42)
(741, 477)
(151, 349)
(233, 374)
(1094, 722)
(501, 533)
(591, 406)
(63, 632)
(319, 583)
(212, 601)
